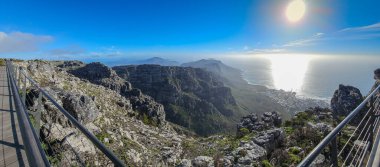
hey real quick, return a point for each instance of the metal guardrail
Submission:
(22, 74)
(331, 137)
(35, 154)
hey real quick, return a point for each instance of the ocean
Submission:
(314, 76)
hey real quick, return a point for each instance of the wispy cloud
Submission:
(70, 50)
(351, 33)
(305, 42)
(111, 51)
(21, 42)
(372, 27)
(264, 51)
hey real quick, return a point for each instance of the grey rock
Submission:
(345, 100)
(249, 154)
(270, 139)
(377, 74)
(203, 161)
(253, 124)
(184, 163)
(81, 107)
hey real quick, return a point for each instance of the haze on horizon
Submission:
(186, 30)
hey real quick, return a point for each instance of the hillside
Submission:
(256, 98)
(192, 97)
(134, 125)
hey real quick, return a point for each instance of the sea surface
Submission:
(314, 76)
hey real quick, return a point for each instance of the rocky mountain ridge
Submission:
(193, 98)
(103, 101)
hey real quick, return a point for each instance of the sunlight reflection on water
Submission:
(288, 71)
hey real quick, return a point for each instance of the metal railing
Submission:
(361, 139)
(59, 134)
(35, 154)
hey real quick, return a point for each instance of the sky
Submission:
(181, 29)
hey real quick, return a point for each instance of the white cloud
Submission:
(21, 42)
(261, 51)
(305, 42)
(111, 51)
(372, 27)
(352, 33)
(70, 50)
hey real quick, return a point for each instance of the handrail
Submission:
(88, 134)
(318, 149)
(34, 152)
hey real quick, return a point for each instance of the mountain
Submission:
(219, 68)
(158, 61)
(192, 97)
(256, 98)
(121, 106)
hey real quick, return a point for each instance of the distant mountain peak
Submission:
(159, 61)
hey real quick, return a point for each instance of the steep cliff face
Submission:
(100, 74)
(192, 97)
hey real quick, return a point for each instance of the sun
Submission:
(295, 10)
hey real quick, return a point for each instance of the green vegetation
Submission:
(266, 163)
(147, 121)
(101, 136)
(2, 62)
(295, 159)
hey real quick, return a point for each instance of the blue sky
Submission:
(94, 29)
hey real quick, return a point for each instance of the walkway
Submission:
(12, 152)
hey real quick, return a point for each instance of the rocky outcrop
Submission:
(116, 120)
(82, 107)
(203, 161)
(377, 74)
(252, 123)
(249, 154)
(270, 139)
(193, 98)
(100, 74)
(345, 100)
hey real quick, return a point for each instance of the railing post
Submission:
(24, 91)
(334, 152)
(372, 121)
(38, 114)
(19, 78)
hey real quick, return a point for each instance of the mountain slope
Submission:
(217, 67)
(193, 98)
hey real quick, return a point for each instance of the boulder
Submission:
(253, 124)
(345, 100)
(270, 139)
(184, 163)
(80, 106)
(272, 118)
(203, 161)
(249, 153)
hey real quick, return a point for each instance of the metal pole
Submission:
(19, 77)
(334, 152)
(24, 91)
(38, 114)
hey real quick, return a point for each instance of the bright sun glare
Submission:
(288, 71)
(295, 10)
